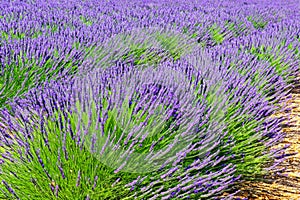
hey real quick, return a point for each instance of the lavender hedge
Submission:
(142, 100)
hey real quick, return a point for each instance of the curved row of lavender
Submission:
(152, 100)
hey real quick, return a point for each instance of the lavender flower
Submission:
(152, 100)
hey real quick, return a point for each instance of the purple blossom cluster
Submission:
(143, 99)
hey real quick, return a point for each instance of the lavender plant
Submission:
(246, 125)
(138, 123)
(165, 122)
(144, 127)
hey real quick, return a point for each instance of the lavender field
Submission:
(128, 99)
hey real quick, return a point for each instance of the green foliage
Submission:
(53, 28)
(37, 34)
(247, 147)
(153, 49)
(276, 59)
(86, 21)
(32, 181)
(121, 121)
(171, 44)
(76, 45)
(216, 34)
(257, 23)
(244, 142)
(142, 55)
(237, 28)
(12, 35)
(24, 74)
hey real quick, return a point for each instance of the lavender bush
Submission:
(142, 100)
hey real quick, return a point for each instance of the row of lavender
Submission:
(152, 100)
